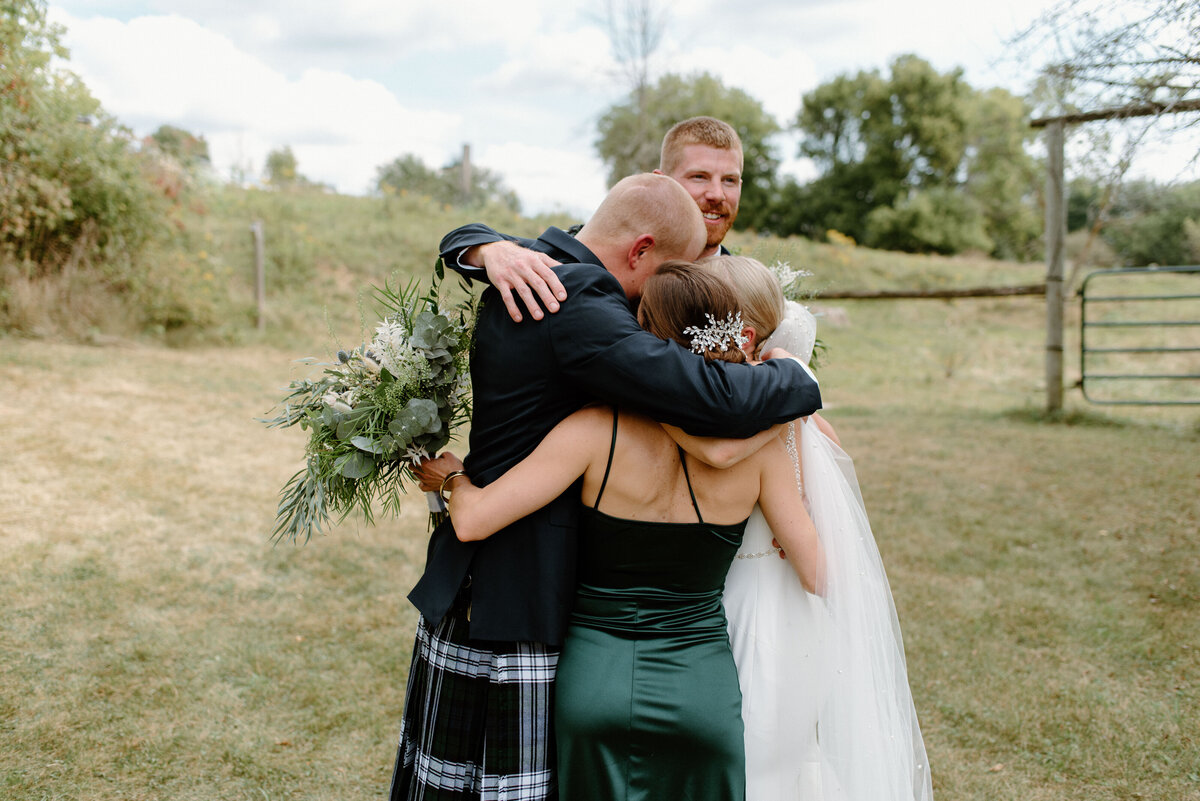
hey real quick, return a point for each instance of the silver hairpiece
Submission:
(717, 336)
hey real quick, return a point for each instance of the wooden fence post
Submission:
(260, 280)
(464, 176)
(1056, 234)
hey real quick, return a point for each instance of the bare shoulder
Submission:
(640, 432)
(588, 422)
(771, 456)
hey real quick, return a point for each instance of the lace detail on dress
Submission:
(790, 442)
(793, 453)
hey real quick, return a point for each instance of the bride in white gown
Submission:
(825, 696)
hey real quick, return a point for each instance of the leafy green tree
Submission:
(71, 182)
(630, 141)
(910, 142)
(875, 139)
(408, 174)
(281, 169)
(183, 146)
(999, 175)
(938, 219)
(1150, 223)
(1084, 196)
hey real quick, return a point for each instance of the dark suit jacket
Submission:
(528, 376)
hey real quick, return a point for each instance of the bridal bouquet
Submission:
(376, 411)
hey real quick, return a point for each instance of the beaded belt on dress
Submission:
(760, 554)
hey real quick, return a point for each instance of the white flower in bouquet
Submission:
(377, 410)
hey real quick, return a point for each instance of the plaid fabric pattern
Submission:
(477, 719)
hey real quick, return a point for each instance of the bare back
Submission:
(647, 480)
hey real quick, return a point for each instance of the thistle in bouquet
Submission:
(378, 410)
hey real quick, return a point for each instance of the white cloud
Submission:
(775, 78)
(353, 86)
(574, 61)
(293, 35)
(155, 70)
(548, 179)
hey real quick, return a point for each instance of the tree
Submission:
(940, 220)
(183, 146)
(71, 181)
(1000, 176)
(1155, 224)
(281, 168)
(635, 29)
(408, 174)
(909, 143)
(876, 139)
(1139, 58)
(1113, 52)
(630, 141)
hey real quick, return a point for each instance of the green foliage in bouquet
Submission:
(380, 407)
(791, 282)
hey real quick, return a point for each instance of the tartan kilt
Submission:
(478, 718)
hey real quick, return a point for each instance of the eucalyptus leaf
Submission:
(357, 456)
(345, 429)
(348, 425)
(366, 444)
(397, 428)
(356, 465)
(433, 334)
(424, 414)
(436, 444)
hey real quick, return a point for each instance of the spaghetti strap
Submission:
(688, 478)
(607, 468)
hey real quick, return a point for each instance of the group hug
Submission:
(657, 580)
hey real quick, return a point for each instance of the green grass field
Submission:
(154, 645)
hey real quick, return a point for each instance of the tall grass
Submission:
(195, 282)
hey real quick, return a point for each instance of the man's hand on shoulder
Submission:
(780, 353)
(512, 268)
(776, 353)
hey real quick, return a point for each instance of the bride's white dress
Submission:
(777, 630)
(825, 696)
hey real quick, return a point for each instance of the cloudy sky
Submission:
(352, 85)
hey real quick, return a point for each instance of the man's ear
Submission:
(639, 249)
(657, 171)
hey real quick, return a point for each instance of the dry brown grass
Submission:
(76, 305)
(154, 645)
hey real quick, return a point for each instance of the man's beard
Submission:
(716, 235)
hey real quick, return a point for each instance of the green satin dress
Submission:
(648, 706)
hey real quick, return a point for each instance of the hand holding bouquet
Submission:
(377, 411)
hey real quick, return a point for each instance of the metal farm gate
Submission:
(1139, 338)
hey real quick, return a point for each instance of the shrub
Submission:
(72, 184)
(938, 220)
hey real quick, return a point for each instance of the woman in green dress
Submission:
(648, 705)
